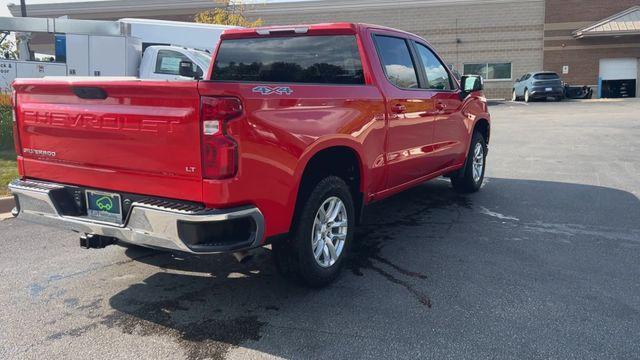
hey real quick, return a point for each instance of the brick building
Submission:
(595, 43)
(500, 39)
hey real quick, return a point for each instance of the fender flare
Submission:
(329, 142)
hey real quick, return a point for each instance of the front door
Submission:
(450, 134)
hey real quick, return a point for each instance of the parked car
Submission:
(538, 85)
(293, 132)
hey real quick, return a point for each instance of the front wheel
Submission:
(514, 97)
(470, 180)
(315, 252)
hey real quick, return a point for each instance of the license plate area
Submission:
(548, 89)
(103, 206)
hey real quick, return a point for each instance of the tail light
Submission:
(16, 135)
(219, 151)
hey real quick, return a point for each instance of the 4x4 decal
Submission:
(268, 90)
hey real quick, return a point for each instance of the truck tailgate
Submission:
(121, 135)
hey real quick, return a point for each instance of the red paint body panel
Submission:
(145, 137)
(277, 135)
(140, 139)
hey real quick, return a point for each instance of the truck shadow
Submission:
(401, 256)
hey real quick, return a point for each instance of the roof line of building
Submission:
(70, 8)
(631, 29)
(321, 5)
(108, 6)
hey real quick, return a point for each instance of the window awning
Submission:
(623, 23)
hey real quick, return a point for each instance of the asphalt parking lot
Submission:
(544, 262)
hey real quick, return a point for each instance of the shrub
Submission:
(6, 127)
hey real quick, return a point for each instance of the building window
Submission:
(489, 71)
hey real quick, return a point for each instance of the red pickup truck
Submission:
(291, 133)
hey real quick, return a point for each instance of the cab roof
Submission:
(329, 28)
(339, 28)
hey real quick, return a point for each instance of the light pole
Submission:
(23, 8)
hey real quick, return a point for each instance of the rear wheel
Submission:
(527, 96)
(315, 252)
(470, 180)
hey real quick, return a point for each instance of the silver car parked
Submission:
(538, 85)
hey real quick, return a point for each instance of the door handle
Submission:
(399, 109)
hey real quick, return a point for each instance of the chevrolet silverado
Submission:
(290, 134)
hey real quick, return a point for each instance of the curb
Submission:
(6, 204)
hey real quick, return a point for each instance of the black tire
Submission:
(464, 181)
(294, 257)
(514, 97)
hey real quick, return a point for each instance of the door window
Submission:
(437, 75)
(397, 62)
(168, 63)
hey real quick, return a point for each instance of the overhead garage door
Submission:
(619, 77)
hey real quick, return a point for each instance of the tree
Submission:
(8, 48)
(228, 12)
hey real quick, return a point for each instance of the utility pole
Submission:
(23, 8)
(24, 53)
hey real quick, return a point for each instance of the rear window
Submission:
(546, 76)
(296, 59)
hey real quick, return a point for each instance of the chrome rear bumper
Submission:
(147, 224)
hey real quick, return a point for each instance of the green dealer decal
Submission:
(105, 203)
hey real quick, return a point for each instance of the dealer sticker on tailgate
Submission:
(104, 206)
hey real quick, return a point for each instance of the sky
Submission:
(5, 12)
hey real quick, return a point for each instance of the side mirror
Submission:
(471, 83)
(186, 69)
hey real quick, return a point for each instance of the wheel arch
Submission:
(340, 157)
(484, 127)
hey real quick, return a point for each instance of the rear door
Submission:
(130, 136)
(411, 110)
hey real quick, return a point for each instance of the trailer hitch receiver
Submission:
(91, 241)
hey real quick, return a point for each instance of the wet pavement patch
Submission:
(380, 228)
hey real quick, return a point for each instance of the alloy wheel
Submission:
(478, 162)
(329, 233)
